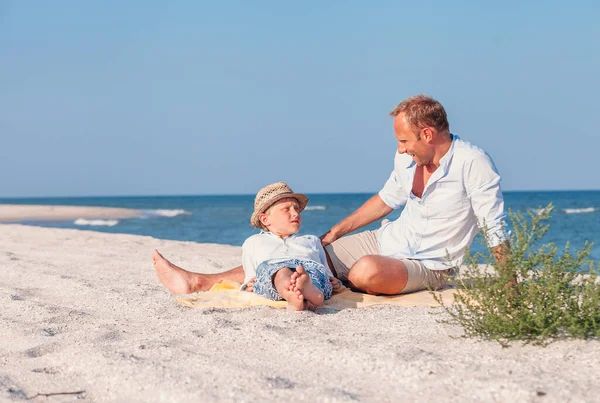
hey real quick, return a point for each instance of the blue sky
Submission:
(223, 97)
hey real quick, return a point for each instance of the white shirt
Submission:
(461, 196)
(268, 247)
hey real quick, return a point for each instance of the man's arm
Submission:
(372, 210)
(501, 251)
(483, 189)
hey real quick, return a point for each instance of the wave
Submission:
(96, 223)
(580, 210)
(315, 208)
(165, 213)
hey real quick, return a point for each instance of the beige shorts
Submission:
(347, 250)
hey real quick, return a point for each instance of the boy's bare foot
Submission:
(297, 305)
(294, 299)
(303, 286)
(293, 278)
(282, 282)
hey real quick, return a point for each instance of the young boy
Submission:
(286, 266)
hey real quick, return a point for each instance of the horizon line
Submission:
(250, 194)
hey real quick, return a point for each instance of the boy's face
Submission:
(283, 218)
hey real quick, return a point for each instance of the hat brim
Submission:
(302, 201)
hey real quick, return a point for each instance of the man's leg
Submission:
(343, 253)
(376, 275)
(180, 281)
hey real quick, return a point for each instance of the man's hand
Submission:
(328, 238)
(250, 285)
(336, 284)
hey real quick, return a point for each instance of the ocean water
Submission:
(225, 219)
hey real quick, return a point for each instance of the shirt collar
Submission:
(262, 231)
(445, 160)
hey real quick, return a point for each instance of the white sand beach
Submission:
(83, 311)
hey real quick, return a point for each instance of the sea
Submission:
(575, 218)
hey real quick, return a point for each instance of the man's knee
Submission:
(364, 273)
(376, 275)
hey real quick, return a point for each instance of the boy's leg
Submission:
(180, 281)
(301, 284)
(281, 281)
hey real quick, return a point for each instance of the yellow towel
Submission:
(226, 294)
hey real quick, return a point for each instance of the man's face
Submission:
(283, 218)
(410, 143)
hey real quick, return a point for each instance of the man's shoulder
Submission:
(468, 152)
(464, 147)
(474, 162)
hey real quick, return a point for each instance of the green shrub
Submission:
(554, 295)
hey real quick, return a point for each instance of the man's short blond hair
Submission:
(421, 111)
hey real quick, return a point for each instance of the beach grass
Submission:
(535, 294)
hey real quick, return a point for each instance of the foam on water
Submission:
(165, 212)
(579, 210)
(96, 223)
(224, 219)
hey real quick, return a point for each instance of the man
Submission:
(448, 189)
(447, 186)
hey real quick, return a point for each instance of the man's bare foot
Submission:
(180, 281)
(303, 286)
(177, 280)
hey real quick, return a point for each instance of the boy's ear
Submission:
(264, 219)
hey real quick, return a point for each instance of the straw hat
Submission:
(270, 194)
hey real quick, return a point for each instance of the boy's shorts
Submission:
(265, 272)
(347, 250)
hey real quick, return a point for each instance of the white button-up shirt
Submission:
(460, 197)
(270, 248)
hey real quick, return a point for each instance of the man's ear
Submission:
(427, 134)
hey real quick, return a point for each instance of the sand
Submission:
(22, 212)
(84, 311)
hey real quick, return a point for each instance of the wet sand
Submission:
(23, 212)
